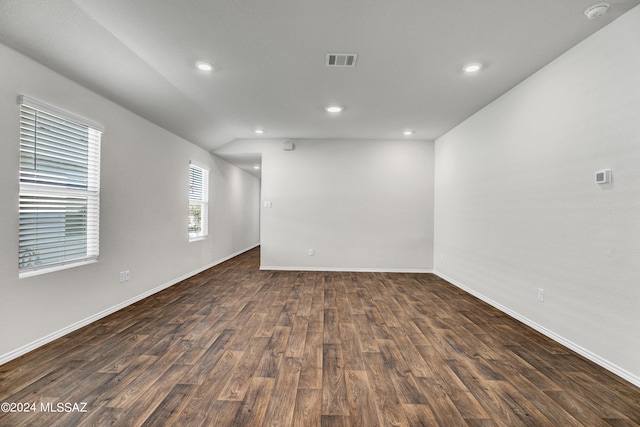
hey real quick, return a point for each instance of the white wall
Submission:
(360, 204)
(517, 209)
(143, 210)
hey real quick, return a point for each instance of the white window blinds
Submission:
(59, 188)
(198, 202)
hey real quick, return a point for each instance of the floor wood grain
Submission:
(236, 346)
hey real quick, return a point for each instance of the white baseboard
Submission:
(64, 331)
(623, 373)
(348, 270)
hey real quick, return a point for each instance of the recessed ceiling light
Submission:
(596, 10)
(407, 132)
(256, 167)
(334, 108)
(258, 131)
(472, 67)
(204, 66)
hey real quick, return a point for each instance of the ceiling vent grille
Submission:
(341, 59)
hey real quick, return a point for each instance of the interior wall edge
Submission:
(604, 363)
(14, 354)
(348, 269)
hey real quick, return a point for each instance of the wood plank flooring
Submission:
(235, 346)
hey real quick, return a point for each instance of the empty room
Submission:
(320, 213)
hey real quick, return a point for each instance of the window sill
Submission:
(45, 270)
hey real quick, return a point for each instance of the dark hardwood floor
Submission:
(243, 347)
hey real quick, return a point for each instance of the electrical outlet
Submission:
(124, 276)
(540, 294)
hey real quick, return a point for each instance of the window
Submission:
(59, 189)
(198, 202)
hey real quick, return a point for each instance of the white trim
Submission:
(68, 329)
(42, 106)
(50, 268)
(621, 372)
(202, 202)
(37, 185)
(199, 165)
(349, 269)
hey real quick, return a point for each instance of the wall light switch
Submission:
(267, 204)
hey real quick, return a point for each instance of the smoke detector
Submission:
(596, 10)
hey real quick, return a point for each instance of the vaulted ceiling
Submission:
(269, 58)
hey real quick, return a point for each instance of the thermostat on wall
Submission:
(603, 176)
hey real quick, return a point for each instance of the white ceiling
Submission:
(270, 59)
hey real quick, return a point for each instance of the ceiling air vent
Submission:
(341, 59)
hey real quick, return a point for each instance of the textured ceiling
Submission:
(270, 54)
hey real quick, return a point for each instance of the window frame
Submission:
(47, 195)
(202, 201)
